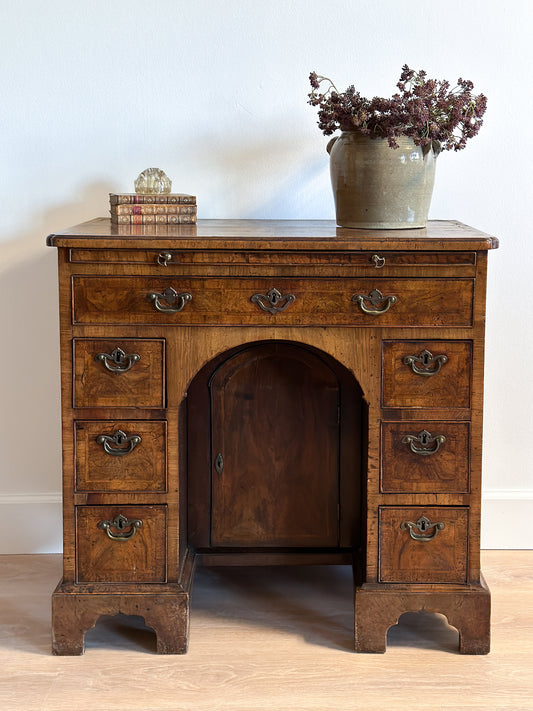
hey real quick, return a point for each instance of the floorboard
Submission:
(272, 638)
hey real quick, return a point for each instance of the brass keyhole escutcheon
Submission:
(219, 463)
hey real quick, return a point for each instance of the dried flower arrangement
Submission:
(426, 110)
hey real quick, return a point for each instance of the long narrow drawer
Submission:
(171, 257)
(119, 372)
(425, 457)
(121, 544)
(276, 301)
(427, 374)
(423, 544)
(121, 456)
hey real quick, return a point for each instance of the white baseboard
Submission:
(506, 516)
(31, 522)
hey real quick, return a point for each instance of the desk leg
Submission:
(73, 613)
(379, 607)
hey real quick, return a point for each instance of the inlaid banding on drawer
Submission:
(141, 467)
(111, 551)
(317, 301)
(137, 382)
(438, 463)
(426, 374)
(423, 545)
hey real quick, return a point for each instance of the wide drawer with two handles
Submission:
(269, 301)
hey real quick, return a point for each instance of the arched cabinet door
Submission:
(274, 449)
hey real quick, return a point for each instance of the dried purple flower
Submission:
(313, 79)
(425, 110)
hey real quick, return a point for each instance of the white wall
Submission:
(214, 92)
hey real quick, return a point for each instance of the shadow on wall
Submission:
(286, 178)
(30, 425)
(242, 178)
(22, 246)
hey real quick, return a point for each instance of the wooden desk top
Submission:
(271, 234)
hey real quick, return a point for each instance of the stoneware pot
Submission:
(379, 187)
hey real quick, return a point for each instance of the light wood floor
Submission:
(277, 639)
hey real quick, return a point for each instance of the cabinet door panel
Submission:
(275, 432)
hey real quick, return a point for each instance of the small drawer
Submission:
(273, 301)
(119, 372)
(426, 374)
(366, 260)
(425, 457)
(121, 456)
(156, 258)
(423, 545)
(121, 544)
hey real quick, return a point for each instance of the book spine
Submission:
(134, 199)
(153, 209)
(169, 219)
(153, 230)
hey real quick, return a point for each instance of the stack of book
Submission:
(170, 209)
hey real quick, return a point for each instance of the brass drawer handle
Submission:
(275, 301)
(163, 258)
(121, 523)
(379, 303)
(425, 439)
(379, 262)
(423, 524)
(115, 444)
(117, 361)
(426, 363)
(175, 302)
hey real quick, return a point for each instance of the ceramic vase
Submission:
(378, 187)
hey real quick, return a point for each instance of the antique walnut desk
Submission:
(268, 392)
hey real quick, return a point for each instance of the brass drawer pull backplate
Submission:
(379, 303)
(126, 528)
(174, 302)
(119, 443)
(426, 363)
(273, 301)
(429, 444)
(423, 524)
(117, 361)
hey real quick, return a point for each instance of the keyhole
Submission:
(422, 524)
(118, 356)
